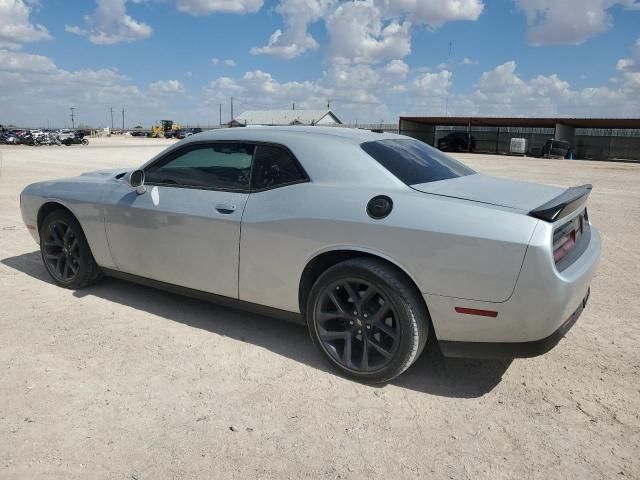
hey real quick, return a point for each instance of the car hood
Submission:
(502, 192)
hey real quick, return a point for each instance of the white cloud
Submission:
(431, 84)
(294, 40)
(51, 90)
(228, 62)
(555, 22)
(110, 24)
(363, 31)
(468, 61)
(257, 90)
(502, 91)
(166, 87)
(282, 45)
(429, 92)
(396, 71)
(356, 90)
(630, 64)
(207, 7)
(15, 26)
(19, 62)
(434, 12)
(359, 34)
(75, 29)
(366, 92)
(369, 93)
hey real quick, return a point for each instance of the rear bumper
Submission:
(543, 306)
(512, 350)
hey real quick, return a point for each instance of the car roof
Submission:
(320, 150)
(282, 133)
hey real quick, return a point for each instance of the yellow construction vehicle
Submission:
(164, 129)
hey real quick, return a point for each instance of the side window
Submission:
(225, 166)
(274, 166)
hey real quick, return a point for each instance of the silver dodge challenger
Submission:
(375, 241)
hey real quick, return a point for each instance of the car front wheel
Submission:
(367, 319)
(66, 253)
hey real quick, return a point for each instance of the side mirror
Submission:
(136, 180)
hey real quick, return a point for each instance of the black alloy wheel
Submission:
(61, 251)
(357, 325)
(65, 251)
(368, 319)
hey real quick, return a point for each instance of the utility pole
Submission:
(446, 102)
(328, 104)
(220, 122)
(123, 119)
(111, 111)
(73, 120)
(232, 108)
(294, 106)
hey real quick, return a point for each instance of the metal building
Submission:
(590, 138)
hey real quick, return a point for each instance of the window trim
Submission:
(204, 143)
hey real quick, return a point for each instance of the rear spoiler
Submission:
(564, 204)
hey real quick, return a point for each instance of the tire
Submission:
(390, 322)
(65, 252)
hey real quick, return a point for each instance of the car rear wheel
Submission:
(367, 319)
(66, 253)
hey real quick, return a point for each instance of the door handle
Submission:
(225, 208)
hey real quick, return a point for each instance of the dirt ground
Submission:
(122, 381)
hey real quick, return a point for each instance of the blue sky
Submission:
(374, 59)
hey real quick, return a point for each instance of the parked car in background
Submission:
(375, 255)
(9, 138)
(555, 148)
(138, 133)
(182, 134)
(65, 133)
(457, 142)
(75, 139)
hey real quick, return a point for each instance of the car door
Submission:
(273, 222)
(185, 229)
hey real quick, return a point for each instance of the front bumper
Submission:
(512, 349)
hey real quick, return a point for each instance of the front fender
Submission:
(83, 200)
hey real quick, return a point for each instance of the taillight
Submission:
(566, 237)
(563, 245)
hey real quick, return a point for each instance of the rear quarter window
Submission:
(415, 162)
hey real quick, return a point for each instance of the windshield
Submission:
(415, 162)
